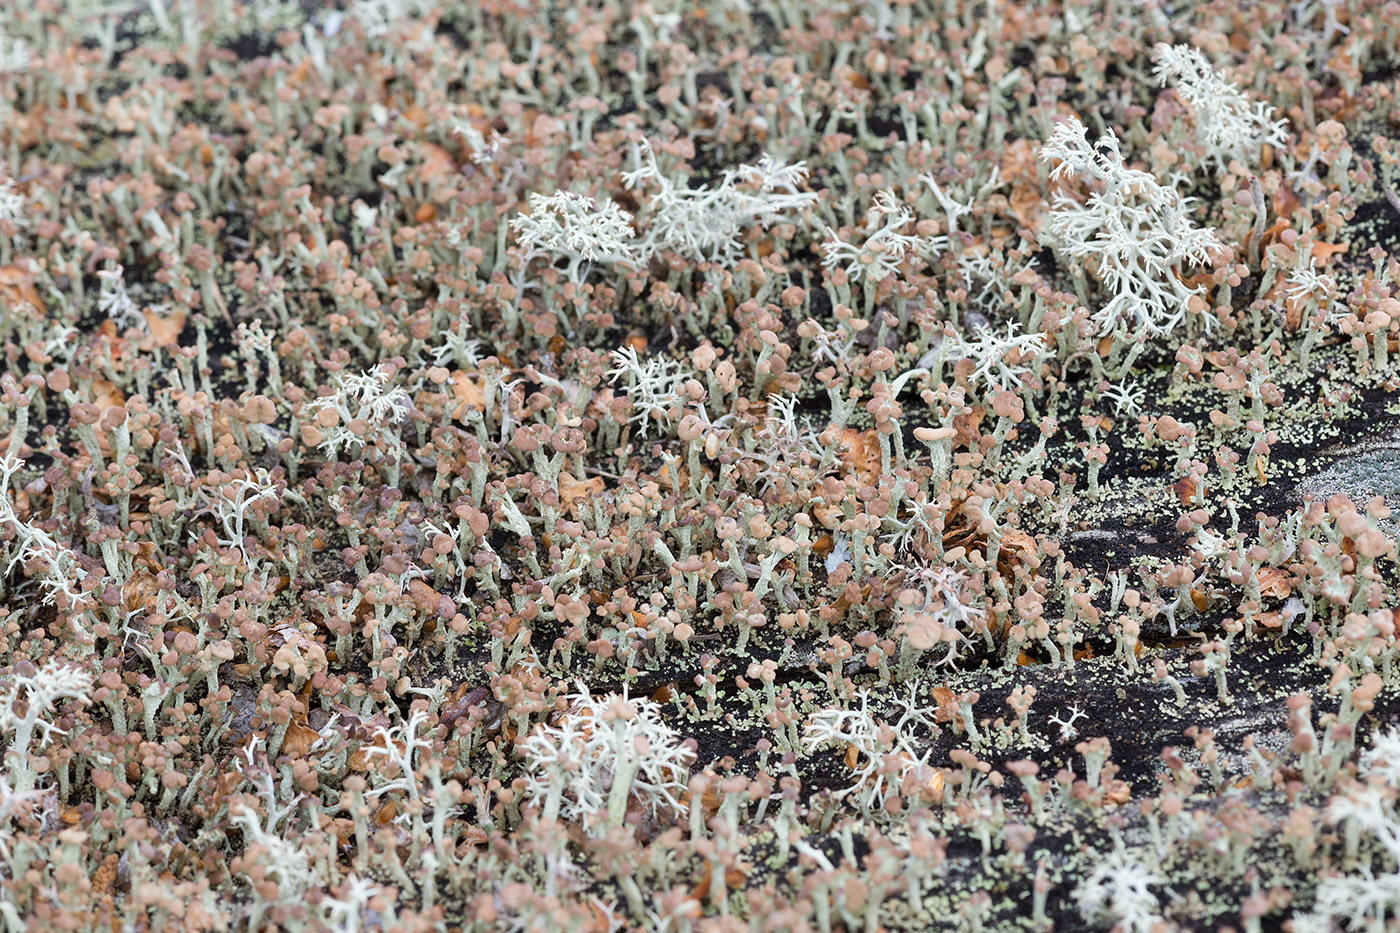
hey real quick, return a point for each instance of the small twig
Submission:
(1064, 367)
(1260, 215)
(1392, 197)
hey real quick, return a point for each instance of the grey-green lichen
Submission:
(525, 466)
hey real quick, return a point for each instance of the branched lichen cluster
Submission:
(698, 466)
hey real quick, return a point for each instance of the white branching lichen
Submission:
(1227, 124)
(1133, 233)
(606, 751)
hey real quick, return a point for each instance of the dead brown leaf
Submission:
(1274, 583)
(163, 330)
(363, 757)
(470, 392)
(1324, 251)
(859, 452)
(1185, 490)
(967, 424)
(575, 493)
(947, 702)
(105, 395)
(299, 739)
(17, 287)
(1116, 792)
(426, 599)
(139, 590)
(437, 164)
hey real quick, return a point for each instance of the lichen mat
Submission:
(693, 467)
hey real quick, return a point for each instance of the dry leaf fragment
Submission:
(299, 739)
(470, 392)
(574, 492)
(859, 452)
(947, 702)
(1185, 490)
(105, 395)
(104, 880)
(437, 163)
(702, 887)
(363, 757)
(139, 590)
(1019, 546)
(1324, 251)
(17, 288)
(428, 600)
(1274, 583)
(1116, 792)
(162, 330)
(967, 425)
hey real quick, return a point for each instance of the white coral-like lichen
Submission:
(571, 226)
(704, 224)
(1003, 360)
(601, 753)
(1228, 125)
(1117, 894)
(652, 387)
(366, 399)
(36, 695)
(946, 603)
(115, 302)
(40, 693)
(887, 763)
(886, 245)
(12, 202)
(62, 573)
(1133, 233)
(1364, 900)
